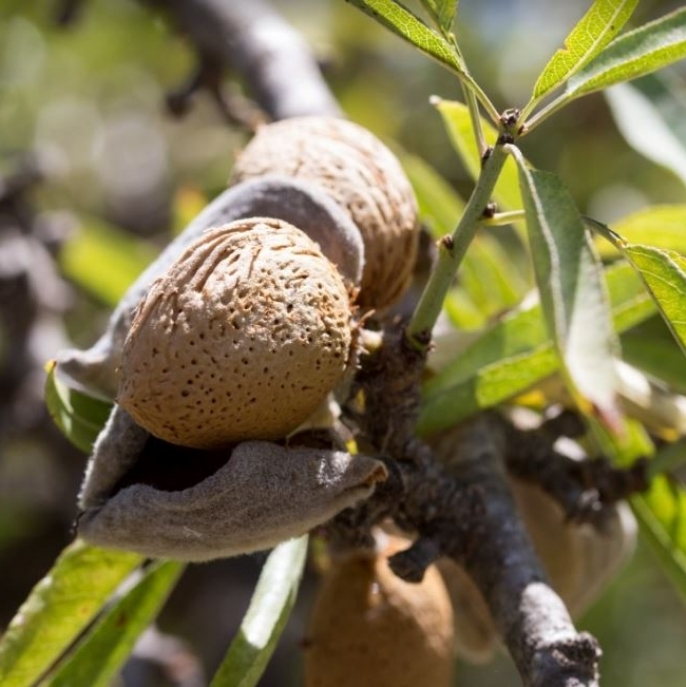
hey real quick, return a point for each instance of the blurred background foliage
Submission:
(84, 104)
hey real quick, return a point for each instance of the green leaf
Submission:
(515, 354)
(266, 618)
(664, 273)
(442, 11)
(459, 126)
(651, 347)
(78, 416)
(594, 31)
(440, 207)
(662, 515)
(572, 292)
(644, 50)
(98, 658)
(58, 609)
(412, 29)
(661, 226)
(645, 129)
(490, 277)
(105, 260)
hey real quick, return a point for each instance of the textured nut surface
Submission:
(242, 338)
(372, 629)
(362, 175)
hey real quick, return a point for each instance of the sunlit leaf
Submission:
(661, 226)
(514, 354)
(266, 618)
(645, 129)
(644, 50)
(664, 272)
(459, 126)
(443, 11)
(105, 260)
(78, 416)
(412, 29)
(572, 292)
(602, 22)
(60, 606)
(100, 655)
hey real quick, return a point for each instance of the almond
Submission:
(363, 176)
(242, 338)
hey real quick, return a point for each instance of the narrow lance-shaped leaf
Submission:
(660, 226)
(104, 260)
(644, 50)
(595, 30)
(458, 124)
(662, 514)
(266, 618)
(645, 129)
(573, 296)
(661, 511)
(411, 28)
(100, 655)
(78, 416)
(513, 355)
(664, 273)
(443, 11)
(58, 609)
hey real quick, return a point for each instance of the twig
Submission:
(458, 503)
(252, 39)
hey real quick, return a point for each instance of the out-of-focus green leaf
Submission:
(660, 226)
(98, 658)
(644, 50)
(664, 272)
(661, 511)
(459, 126)
(188, 203)
(440, 207)
(645, 129)
(60, 606)
(490, 278)
(662, 515)
(412, 29)
(443, 11)
(573, 295)
(515, 354)
(266, 618)
(602, 22)
(651, 347)
(105, 260)
(78, 416)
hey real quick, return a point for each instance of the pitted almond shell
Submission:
(242, 338)
(363, 176)
(369, 628)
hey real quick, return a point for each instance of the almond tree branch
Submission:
(454, 496)
(249, 37)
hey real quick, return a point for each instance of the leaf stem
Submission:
(543, 114)
(451, 251)
(501, 219)
(473, 107)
